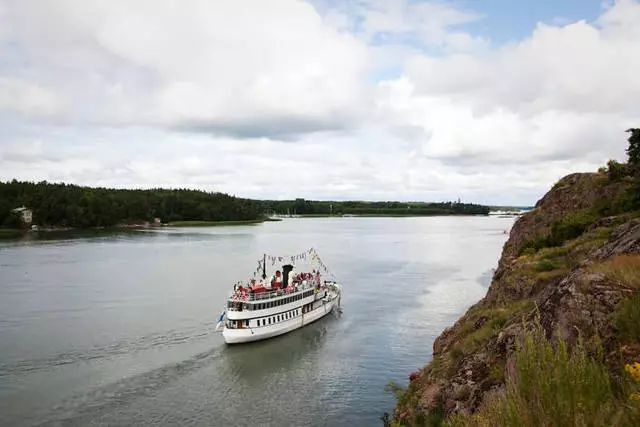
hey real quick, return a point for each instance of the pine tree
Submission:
(633, 151)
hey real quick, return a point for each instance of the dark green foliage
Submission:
(11, 220)
(626, 200)
(544, 265)
(570, 227)
(309, 207)
(432, 418)
(633, 151)
(74, 206)
(615, 170)
(627, 319)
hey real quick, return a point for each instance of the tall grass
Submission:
(623, 268)
(627, 319)
(553, 386)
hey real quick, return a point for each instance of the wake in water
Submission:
(165, 339)
(83, 408)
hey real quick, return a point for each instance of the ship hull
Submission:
(244, 335)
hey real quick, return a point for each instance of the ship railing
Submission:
(267, 295)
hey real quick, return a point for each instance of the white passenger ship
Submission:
(274, 306)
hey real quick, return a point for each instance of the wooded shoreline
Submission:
(47, 206)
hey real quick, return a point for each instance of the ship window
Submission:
(246, 323)
(264, 322)
(269, 320)
(278, 317)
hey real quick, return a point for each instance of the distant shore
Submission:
(383, 215)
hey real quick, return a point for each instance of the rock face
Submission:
(566, 287)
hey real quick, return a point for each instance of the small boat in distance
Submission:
(288, 300)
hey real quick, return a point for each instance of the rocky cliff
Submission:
(570, 266)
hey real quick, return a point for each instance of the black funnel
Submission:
(285, 274)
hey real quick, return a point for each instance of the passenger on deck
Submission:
(292, 276)
(277, 280)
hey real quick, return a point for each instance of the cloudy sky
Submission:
(491, 101)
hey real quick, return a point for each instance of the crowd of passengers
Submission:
(275, 282)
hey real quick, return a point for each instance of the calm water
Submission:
(119, 330)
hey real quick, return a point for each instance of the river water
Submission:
(119, 329)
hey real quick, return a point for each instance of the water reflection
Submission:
(252, 360)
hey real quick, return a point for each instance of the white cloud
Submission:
(288, 99)
(213, 65)
(28, 99)
(564, 93)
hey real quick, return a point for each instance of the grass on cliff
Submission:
(625, 202)
(553, 386)
(478, 326)
(624, 269)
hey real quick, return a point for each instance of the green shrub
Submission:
(497, 322)
(615, 170)
(553, 386)
(457, 354)
(528, 251)
(555, 252)
(571, 226)
(627, 319)
(534, 245)
(544, 265)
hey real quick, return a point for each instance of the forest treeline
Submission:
(309, 207)
(69, 205)
(75, 206)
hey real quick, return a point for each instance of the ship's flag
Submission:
(220, 321)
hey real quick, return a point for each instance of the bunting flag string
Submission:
(308, 254)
